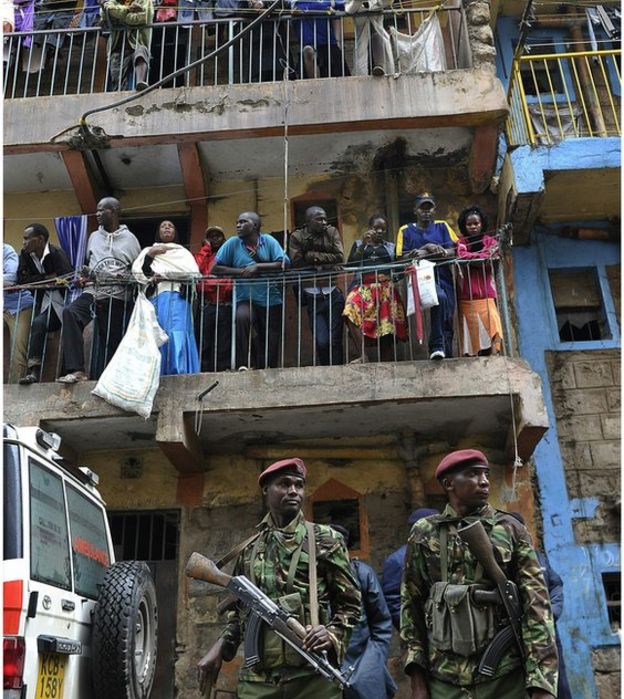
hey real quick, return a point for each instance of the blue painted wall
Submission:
(584, 624)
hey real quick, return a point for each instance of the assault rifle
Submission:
(479, 544)
(264, 610)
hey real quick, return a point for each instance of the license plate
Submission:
(51, 676)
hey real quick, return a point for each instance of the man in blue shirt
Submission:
(17, 312)
(258, 301)
(434, 240)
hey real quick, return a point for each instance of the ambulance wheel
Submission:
(125, 626)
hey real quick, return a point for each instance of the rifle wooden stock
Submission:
(481, 547)
(475, 536)
(202, 568)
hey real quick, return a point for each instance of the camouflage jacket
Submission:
(519, 562)
(338, 594)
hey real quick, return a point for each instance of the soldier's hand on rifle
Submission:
(208, 667)
(317, 638)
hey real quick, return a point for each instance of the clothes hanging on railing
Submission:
(371, 37)
(24, 18)
(552, 124)
(422, 52)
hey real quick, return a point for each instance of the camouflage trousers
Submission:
(510, 686)
(310, 687)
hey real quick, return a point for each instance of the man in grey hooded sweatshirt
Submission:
(111, 250)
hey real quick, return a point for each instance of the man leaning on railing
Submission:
(259, 304)
(428, 238)
(111, 250)
(318, 245)
(41, 262)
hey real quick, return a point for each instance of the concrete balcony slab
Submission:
(467, 97)
(449, 400)
(538, 184)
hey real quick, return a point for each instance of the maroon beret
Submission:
(461, 459)
(294, 466)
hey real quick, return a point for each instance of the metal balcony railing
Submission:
(281, 334)
(80, 61)
(564, 95)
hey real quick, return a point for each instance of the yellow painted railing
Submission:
(564, 95)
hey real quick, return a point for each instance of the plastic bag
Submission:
(425, 284)
(132, 377)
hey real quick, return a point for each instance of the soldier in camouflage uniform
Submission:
(442, 654)
(277, 562)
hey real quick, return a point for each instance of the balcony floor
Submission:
(445, 401)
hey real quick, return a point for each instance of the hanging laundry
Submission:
(422, 52)
(373, 50)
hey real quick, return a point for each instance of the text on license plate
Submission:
(51, 676)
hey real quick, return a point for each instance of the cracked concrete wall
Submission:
(586, 398)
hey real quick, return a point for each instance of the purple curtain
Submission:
(72, 234)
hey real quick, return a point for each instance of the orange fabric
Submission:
(479, 327)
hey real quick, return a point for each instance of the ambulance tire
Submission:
(125, 626)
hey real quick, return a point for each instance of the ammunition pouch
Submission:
(274, 652)
(461, 618)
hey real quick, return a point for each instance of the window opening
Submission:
(578, 305)
(337, 503)
(614, 277)
(612, 587)
(343, 512)
(12, 501)
(90, 552)
(541, 77)
(49, 547)
(145, 536)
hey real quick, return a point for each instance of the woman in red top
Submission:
(480, 328)
(214, 326)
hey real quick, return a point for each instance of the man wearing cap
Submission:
(439, 579)
(276, 559)
(434, 240)
(393, 570)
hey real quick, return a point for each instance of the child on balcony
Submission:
(479, 320)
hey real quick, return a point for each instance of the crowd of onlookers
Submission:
(311, 44)
(223, 307)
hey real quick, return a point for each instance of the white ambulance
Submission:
(77, 625)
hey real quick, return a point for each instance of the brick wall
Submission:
(586, 396)
(606, 664)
